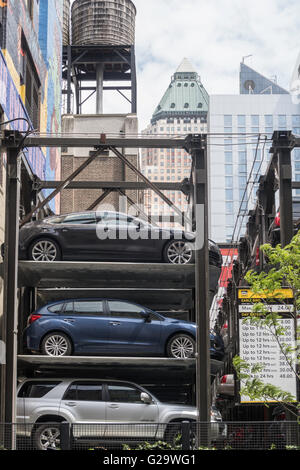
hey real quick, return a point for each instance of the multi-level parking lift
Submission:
(278, 177)
(182, 289)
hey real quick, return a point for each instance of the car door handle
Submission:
(71, 403)
(65, 230)
(113, 406)
(115, 323)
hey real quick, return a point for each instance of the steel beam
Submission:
(94, 141)
(133, 82)
(123, 185)
(69, 78)
(131, 201)
(151, 185)
(283, 143)
(285, 195)
(63, 185)
(99, 199)
(202, 306)
(10, 289)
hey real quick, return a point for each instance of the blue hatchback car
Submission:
(111, 328)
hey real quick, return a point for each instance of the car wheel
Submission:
(44, 249)
(178, 252)
(181, 346)
(173, 435)
(47, 437)
(56, 344)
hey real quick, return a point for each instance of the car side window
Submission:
(124, 394)
(114, 218)
(36, 389)
(84, 391)
(56, 308)
(85, 218)
(125, 309)
(85, 307)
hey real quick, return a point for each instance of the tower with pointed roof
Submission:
(182, 110)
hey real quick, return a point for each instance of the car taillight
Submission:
(277, 219)
(224, 379)
(33, 317)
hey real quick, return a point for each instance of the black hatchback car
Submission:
(107, 236)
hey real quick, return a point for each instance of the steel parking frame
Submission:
(13, 142)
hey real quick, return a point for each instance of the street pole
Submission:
(10, 286)
(285, 195)
(203, 392)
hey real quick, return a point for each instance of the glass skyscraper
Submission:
(237, 156)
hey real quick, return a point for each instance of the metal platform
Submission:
(73, 274)
(136, 369)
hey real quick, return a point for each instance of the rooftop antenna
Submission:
(246, 57)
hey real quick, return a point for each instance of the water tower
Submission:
(101, 50)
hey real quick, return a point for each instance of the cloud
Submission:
(215, 36)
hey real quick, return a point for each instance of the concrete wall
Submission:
(104, 168)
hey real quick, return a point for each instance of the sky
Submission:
(214, 36)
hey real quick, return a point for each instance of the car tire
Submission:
(173, 435)
(44, 249)
(56, 344)
(46, 437)
(179, 252)
(181, 346)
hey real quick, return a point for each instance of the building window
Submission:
(282, 121)
(228, 170)
(228, 144)
(268, 120)
(296, 154)
(227, 120)
(229, 207)
(228, 182)
(241, 120)
(254, 120)
(296, 120)
(242, 158)
(229, 194)
(228, 157)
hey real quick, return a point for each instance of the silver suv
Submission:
(102, 409)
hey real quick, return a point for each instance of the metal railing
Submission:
(142, 436)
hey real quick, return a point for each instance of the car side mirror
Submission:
(146, 398)
(147, 317)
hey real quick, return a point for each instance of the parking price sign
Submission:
(258, 345)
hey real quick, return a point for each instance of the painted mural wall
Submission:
(41, 30)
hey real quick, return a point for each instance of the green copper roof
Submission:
(186, 96)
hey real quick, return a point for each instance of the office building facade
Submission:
(182, 110)
(241, 127)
